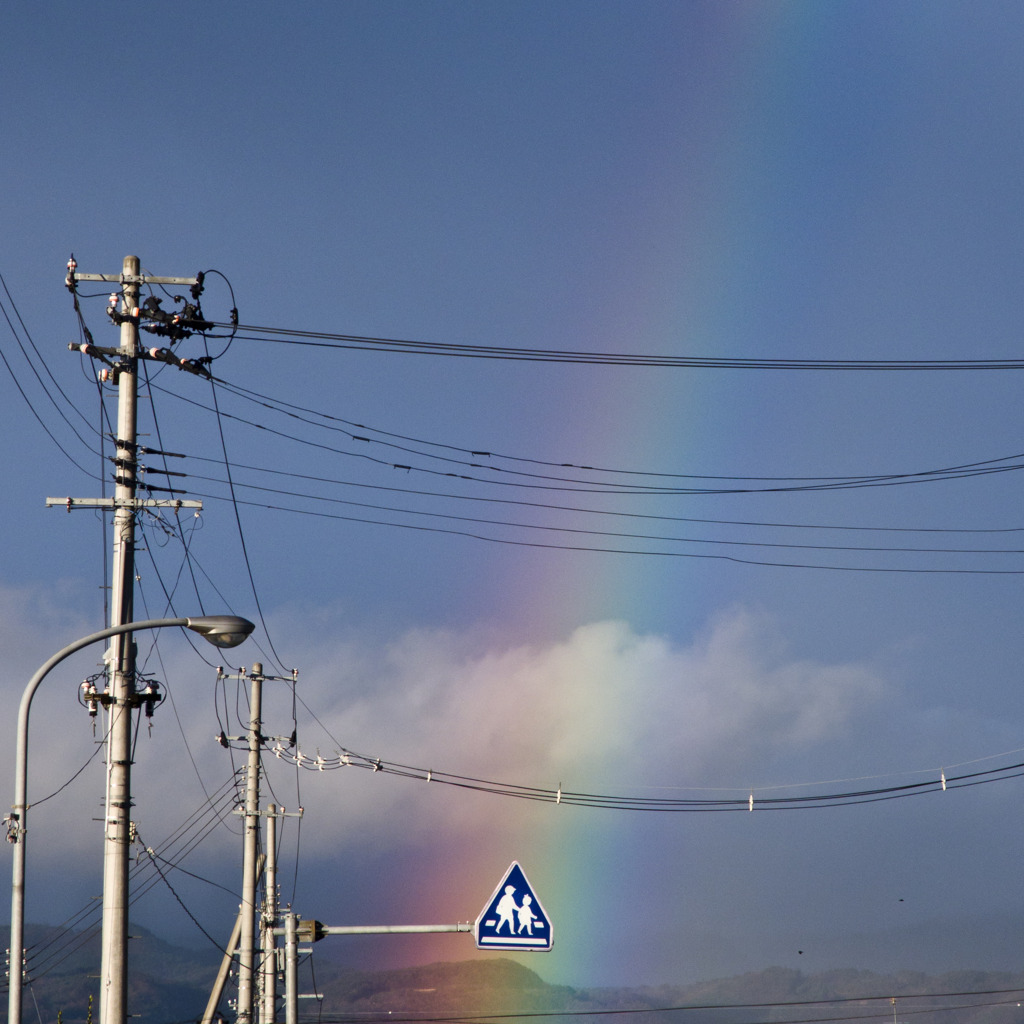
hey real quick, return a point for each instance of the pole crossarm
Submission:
(136, 503)
(138, 279)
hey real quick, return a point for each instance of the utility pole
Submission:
(291, 969)
(250, 851)
(123, 699)
(268, 946)
(269, 930)
(256, 988)
(121, 668)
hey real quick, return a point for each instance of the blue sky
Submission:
(732, 180)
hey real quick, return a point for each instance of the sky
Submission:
(636, 581)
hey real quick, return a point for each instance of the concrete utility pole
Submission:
(123, 699)
(250, 850)
(268, 947)
(257, 986)
(121, 668)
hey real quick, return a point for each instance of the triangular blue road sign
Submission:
(513, 917)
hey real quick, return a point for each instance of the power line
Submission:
(241, 532)
(561, 482)
(764, 798)
(878, 548)
(427, 1017)
(613, 513)
(321, 339)
(608, 550)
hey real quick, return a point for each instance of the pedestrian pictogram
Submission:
(513, 917)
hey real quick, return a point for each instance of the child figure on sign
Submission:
(526, 916)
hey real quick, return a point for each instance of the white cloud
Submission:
(604, 710)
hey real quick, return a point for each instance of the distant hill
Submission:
(166, 983)
(170, 985)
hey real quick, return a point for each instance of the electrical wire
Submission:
(233, 324)
(413, 1017)
(552, 507)
(31, 406)
(589, 485)
(38, 361)
(168, 689)
(386, 438)
(241, 535)
(156, 865)
(756, 798)
(186, 563)
(953, 472)
(60, 789)
(43, 958)
(902, 549)
(655, 553)
(292, 336)
(427, 1017)
(586, 485)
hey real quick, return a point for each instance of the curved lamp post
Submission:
(220, 630)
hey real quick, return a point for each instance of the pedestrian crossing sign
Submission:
(513, 917)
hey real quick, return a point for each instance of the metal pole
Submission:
(117, 826)
(268, 945)
(250, 848)
(291, 969)
(394, 929)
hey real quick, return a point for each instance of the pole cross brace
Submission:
(134, 279)
(134, 503)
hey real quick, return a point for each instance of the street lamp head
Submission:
(221, 630)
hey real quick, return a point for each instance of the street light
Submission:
(220, 630)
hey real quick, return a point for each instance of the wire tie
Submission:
(750, 803)
(942, 778)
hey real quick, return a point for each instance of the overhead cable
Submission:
(761, 800)
(323, 339)
(1001, 464)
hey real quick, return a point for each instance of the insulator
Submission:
(89, 696)
(150, 698)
